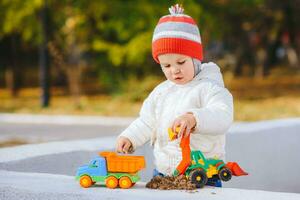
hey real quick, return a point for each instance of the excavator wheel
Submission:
(225, 174)
(198, 177)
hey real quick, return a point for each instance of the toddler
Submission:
(193, 98)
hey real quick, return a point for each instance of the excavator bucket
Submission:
(173, 135)
(236, 169)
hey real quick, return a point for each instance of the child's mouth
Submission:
(178, 78)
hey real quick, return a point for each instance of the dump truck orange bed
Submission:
(128, 164)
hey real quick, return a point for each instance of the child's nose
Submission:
(176, 70)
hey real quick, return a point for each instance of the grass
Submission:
(28, 101)
(254, 99)
(268, 108)
(12, 142)
(263, 99)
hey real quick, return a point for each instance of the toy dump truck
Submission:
(198, 168)
(112, 169)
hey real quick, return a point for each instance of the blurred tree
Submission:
(18, 23)
(69, 40)
(44, 56)
(252, 29)
(12, 75)
(112, 39)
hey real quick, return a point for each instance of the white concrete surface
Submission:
(19, 185)
(269, 151)
(38, 133)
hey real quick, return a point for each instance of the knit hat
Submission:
(177, 33)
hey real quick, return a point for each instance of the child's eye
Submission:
(166, 66)
(181, 63)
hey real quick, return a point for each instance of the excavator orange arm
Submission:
(185, 149)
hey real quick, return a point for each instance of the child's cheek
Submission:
(165, 72)
(168, 74)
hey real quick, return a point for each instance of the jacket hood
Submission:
(211, 72)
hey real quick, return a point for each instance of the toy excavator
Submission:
(199, 169)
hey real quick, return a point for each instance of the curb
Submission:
(22, 152)
(64, 119)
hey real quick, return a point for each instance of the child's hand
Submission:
(124, 145)
(186, 122)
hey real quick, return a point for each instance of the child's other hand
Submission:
(124, 145)
(186, 122)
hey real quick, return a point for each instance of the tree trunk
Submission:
(11, 74)
(74, 83)
(44, 58)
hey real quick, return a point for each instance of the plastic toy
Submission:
(112, 169)
(200, 169)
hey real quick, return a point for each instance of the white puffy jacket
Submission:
(204, 96)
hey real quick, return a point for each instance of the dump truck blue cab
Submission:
(96, 167)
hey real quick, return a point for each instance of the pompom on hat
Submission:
(177, 33)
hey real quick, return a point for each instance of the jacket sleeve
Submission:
(142, 128)
(216, 113)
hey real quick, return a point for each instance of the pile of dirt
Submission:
(171, 183)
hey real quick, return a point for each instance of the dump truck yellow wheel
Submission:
(125, 182)
(111, 182)
(86, 181)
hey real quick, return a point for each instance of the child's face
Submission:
(177, 68)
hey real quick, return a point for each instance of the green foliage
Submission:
(115, 36)
(19, 16)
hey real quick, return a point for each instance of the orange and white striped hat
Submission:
(177, 33)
